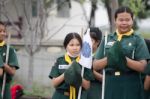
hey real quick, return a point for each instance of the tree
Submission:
(34, 14)
(139, 7)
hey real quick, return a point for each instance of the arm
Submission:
(1, 71)
(85, 84)
(136, 65)
(58, 80)
(97, 75)
(147, 83)
(100, 64)
(10, 70)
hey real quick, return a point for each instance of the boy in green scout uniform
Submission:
(66, 89)
(125, 58)
(94, 91)
(12, 64)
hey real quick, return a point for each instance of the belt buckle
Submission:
(117, 73)
(66, 93)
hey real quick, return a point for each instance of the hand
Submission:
(115, 57)
(72, 75)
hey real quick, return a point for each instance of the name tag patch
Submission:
(63, 66)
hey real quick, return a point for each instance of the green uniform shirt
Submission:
(13, 62)
(119, 87)
(133, 46)
(59, 68)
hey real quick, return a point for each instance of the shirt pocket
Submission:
(129, 51)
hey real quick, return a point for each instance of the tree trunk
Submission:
(111, 6)
(92, 15)
(30, 73)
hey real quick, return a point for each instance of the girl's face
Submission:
(73, 47)
(94, 45)
(2, 32)
(124, 22)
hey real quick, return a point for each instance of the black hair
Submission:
(123, 9)
(1, 23)
(71, 36)
(95, 33)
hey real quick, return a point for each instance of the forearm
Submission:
(97, 75)
(100, 64)
(136, 65)
(58, 80)
(10, 70)
(85, 84)
(147, 83)
(1, 71)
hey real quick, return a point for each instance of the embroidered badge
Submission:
(86, 49)
(4, 54)
(111, 43)
(130, 44)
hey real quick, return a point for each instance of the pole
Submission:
(103, 79)
(80, 88)
(6, 61)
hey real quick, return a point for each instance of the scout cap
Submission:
(73, 75)
(115, 57)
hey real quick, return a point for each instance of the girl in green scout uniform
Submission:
(125, 58)
(12, 64)
(72, 44)
(95, 89)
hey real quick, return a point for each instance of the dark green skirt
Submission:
(7, 93)
(123, 87)
(95, 90)
(59, 95)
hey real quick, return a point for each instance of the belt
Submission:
(64, 92)
(119, 73)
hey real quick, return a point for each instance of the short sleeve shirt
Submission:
(59, 68)
(133, 47)
(12, 59)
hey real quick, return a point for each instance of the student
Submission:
(72, 44)
(125, 58)
(95, 89)
(10, 67)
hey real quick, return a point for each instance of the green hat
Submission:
(73, 75)
(115, 57)
(147, 69)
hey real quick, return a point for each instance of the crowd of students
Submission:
(123, 56)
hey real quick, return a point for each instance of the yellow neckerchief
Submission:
(121, 35)
(2, 43)
(72, 89)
